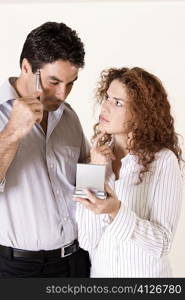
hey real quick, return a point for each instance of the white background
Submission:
(149, 34)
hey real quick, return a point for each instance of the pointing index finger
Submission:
(97, 139)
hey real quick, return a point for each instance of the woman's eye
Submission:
(119, 103)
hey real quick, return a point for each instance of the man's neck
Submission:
(44, 122)
(18, 85)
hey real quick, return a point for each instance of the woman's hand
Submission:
(110, 205)
(101, 155)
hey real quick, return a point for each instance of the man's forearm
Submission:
(8, 147)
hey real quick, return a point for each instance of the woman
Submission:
(130, 233)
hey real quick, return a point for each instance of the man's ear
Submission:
(26, 67)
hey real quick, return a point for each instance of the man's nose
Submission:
(61, 92)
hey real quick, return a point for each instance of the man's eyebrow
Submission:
(57, 79)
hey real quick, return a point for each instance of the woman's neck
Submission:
(120, 146)
(120, 150)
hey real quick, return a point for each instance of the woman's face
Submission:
(115, 110)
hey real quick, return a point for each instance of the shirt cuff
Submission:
(2, 185)
(122, 227)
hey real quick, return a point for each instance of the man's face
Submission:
(56, 80)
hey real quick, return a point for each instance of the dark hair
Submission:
(51, 42)
(152, 124)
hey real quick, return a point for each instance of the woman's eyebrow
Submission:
(118, 99)
(115, 98)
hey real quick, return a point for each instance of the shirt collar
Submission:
(7, 91)
(126, 157)
(58, 113)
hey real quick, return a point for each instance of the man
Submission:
(41, 140)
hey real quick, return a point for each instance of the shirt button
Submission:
(51, 166)
(65, 219)
(57, 191)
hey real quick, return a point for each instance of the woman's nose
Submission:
(105, 106)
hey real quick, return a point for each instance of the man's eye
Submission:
(54, 82)
(70, 83)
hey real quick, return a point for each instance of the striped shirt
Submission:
(137, 241)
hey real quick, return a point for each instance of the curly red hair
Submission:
(152, 124)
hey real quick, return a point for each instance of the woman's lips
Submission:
(102, 119)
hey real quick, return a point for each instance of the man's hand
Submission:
(26, 112)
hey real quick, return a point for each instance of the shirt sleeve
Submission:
(91, 226)
(90, 229)
(155, 234)
(2, 126)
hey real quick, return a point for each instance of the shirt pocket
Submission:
(68, 159)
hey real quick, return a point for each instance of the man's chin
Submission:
(51, 107)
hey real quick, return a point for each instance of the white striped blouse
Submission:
(137, 241)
